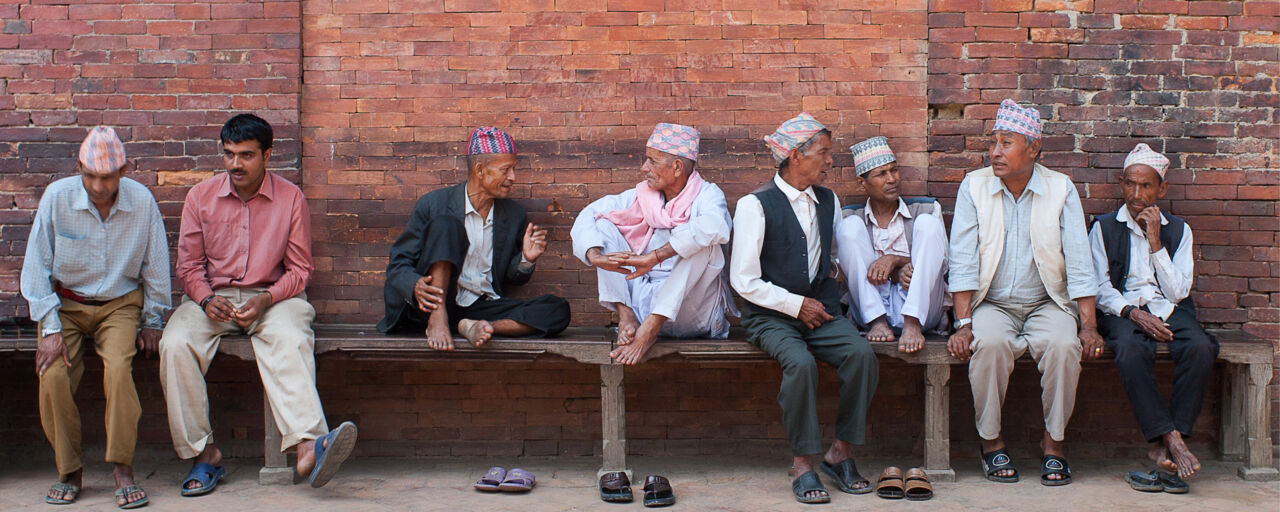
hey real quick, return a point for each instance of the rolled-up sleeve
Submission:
(37, 270)
(1081, 277)
(963, 252)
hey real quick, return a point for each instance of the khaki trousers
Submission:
(114, 326)
(284, 346)
(1001, 334)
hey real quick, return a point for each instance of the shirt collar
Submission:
(468, 209)
(1035, 185)
(902, 210)
(1124, 217)
(267, 190)
(791, 192)
(124, 199)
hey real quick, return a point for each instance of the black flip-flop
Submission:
(1054, 465)
(845, 474)
(806, 483)
(1145, 482)
(1172, 483)
(993, 462)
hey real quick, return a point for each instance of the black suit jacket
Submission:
(404, 267)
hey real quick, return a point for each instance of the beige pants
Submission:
(1001, 334)
(284, 346)
(114, 327)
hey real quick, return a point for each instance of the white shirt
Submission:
(475, 280)
(1154, 280)
(748, 238)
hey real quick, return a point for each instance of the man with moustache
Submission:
(659, 249)
(244, 259)
(1022, 279)
(783, 244)
(473, 240)
(97, 262)
(1145, 270)
(893, 252)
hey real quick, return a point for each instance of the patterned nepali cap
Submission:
(1016, 119)
(675, 139)
(1142, 154)
(792, 134)
(102, 150)
(871, 153)
(490, 140)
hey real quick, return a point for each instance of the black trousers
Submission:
(1193, 352)
(444, 241)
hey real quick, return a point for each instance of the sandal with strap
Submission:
(518, 480)
(62, 489)
(889, 486)
(993, 462)
(125, 491)
(615, 487)
(1145, 482)
(491, 480)
(806, 483)
(845, 474)
(332, 450)
(1054, 465)
(207, 475)
(918, 487)
(658, 492)
(1172, 483)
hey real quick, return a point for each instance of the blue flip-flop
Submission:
(207, 475)
(331, 450)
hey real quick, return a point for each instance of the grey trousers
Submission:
(795, 346)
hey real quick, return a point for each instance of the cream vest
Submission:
(1046, 239)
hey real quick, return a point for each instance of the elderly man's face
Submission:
(881, 183)
(1142, 188)
(495, 174)
(810, 165)
(1011, 154)
(661, 170)
(101, 186)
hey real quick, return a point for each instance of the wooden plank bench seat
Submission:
(1246, 433)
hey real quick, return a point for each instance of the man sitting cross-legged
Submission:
(474, 241)
(893, 253)
(671, 229)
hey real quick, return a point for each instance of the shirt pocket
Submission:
(71, 254)
(220, 239)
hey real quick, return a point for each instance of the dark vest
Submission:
(784, 257)
(1115, 239)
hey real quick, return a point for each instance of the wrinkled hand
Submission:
(427, 296)
(219, 309)
(535, 241)
(49, 350)
(642, 263)
(251, 310)
(599, 260)
(1154, 327)
(1090, 342)
(1149, 219)
(148, 341)
(904, 276)
(812, 313)
(881, 270)
(958, 343)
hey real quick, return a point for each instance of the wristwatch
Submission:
(206, 300)
(962, 322)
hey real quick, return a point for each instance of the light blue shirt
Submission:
(95, 258)
(1017, 281)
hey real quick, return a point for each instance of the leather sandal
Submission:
(890, 484)
(615, 487)
(918, 487)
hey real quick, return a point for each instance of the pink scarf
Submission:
(637, 222)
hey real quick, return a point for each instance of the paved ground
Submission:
(569, 484)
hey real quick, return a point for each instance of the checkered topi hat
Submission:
(1017, 119)
(490, 140)
(102, 150)
(1143, 154)
(792, 134)
(675, 139)
(871, 153)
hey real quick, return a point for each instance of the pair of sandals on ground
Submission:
(848, 480)
(127, 497)
(498, 479)
(615, 487)
(996, 461)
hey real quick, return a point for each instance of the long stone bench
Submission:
(1246, 433)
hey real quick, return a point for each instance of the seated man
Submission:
(671, 229)
(473, 240)
(244, 258)
(888, 245)
(783, 238)
(1145, 270)
(1023, 280)
(97, 263)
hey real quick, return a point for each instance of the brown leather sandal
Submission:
(918, 487)
(615, 487)
(890, 485)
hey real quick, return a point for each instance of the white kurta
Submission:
(859, 247)
(689, 289)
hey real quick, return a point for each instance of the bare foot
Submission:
(211, 455)
(438, 335)
(1160, 454)
(800, 466)
(991, 445)
(1051, 447)
(476, 331)
(645, 336)
(912, 338)
(74, 478)
(1185, 461)
(628, 324)
(880, 330)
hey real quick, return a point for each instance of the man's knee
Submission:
(1064, 349)
(989, 342)
(860, 356)
(798, 363)
(926, 225)
(851, 229)
(557, 310)
(1201, 348)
